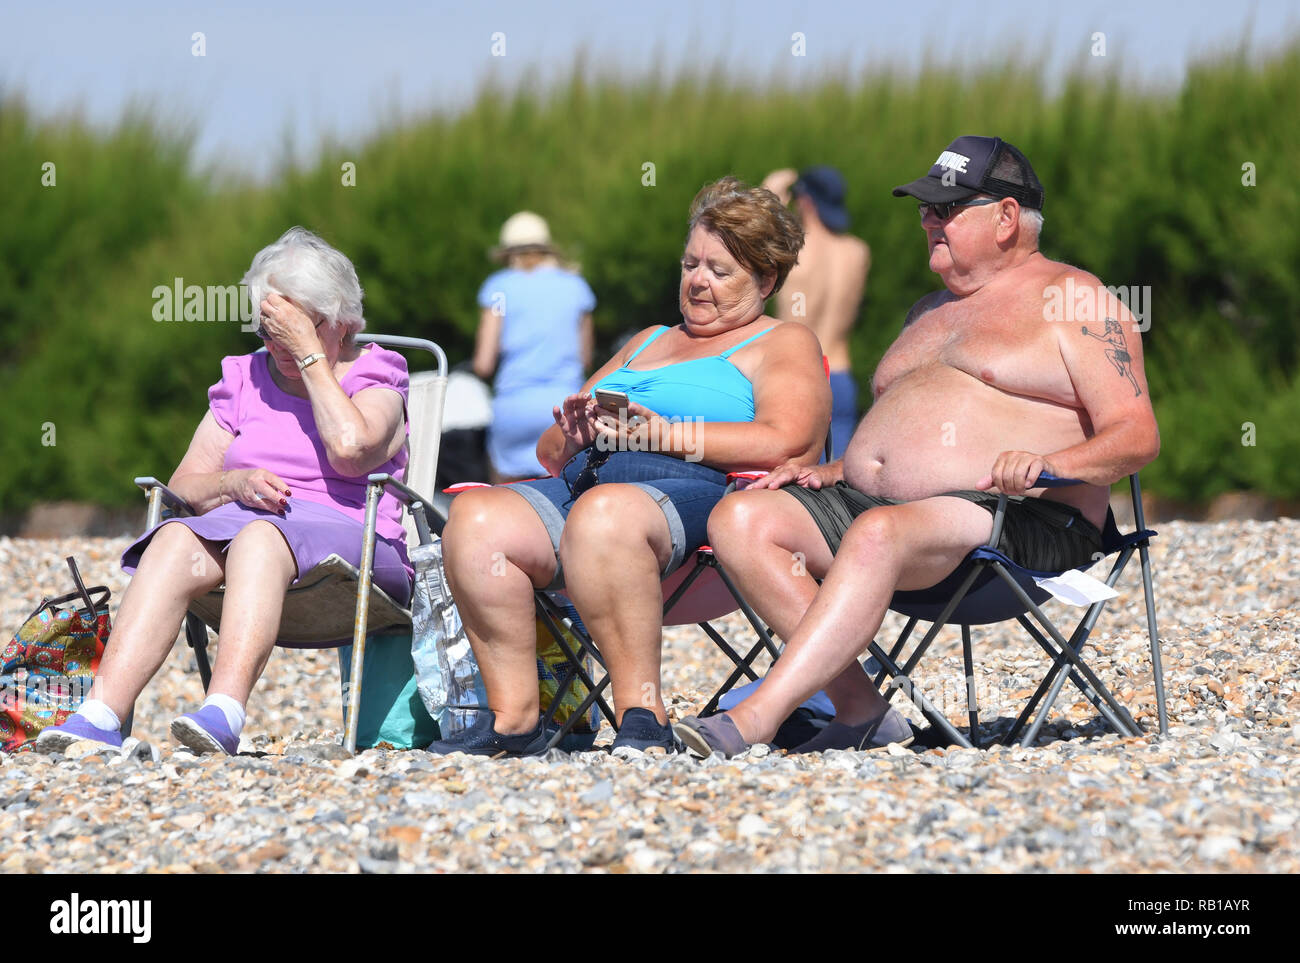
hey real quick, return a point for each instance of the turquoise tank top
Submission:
(710, 389)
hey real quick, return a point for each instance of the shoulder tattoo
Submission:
(1116, 350)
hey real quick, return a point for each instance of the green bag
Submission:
(391, 710)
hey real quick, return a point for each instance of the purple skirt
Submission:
(314, 532)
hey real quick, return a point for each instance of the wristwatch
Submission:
(310, 360)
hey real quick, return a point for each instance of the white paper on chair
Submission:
(1077, 588)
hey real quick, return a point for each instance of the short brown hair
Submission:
(753, 225)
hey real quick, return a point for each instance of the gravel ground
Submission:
(1218, 795)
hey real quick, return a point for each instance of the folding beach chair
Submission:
(988, 588)
(697, 593)
(335, 603)
(694, 594)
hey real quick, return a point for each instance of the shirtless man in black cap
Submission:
(824, 290)
(978, 394)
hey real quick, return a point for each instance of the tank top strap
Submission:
(645, 344)
(730, 351)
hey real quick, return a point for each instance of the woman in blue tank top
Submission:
(727, 389)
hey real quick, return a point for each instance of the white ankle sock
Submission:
(99, 715)
(231, 709)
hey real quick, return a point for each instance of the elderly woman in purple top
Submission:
(276, 472)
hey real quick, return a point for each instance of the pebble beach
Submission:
(1218, 795)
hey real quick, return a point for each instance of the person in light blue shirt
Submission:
(534, 343)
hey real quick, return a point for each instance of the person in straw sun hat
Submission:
(534, 342)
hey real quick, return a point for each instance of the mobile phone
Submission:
(612, 401)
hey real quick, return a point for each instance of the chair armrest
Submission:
(740, 480)
(169, 497)
(1048, 480)
(1045, 480)
(160, 495)
(413, 500)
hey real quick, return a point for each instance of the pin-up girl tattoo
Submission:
(1117, 354)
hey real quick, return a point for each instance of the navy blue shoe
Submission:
(644, 733)
(482, 739)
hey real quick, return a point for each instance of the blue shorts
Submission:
(685, 491)
(844, 411)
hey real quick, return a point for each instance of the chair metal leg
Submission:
(899, 680)
(744, 665)
(1077, 640)
(196, 635)
(551, 617)
(758, 625)
(935, 627)
(897, 650)
(1054, 690)
(1157, 670)
(1059, 661)
(972, 709)
(373, 491)
(1064, 646)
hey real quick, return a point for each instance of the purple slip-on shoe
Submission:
(205, 731)
(75, 728)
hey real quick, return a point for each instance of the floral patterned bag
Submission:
(47, 669)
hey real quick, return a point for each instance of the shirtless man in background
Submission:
(824, 290)
(978, 394)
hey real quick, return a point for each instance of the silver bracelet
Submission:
(310, 360)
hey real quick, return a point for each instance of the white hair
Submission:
(1031, 222)
(318, 278)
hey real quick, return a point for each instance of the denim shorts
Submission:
(685, 492)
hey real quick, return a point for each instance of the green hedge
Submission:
(1144, 187)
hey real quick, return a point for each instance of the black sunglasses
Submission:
(945, 211)
(266, 337)
(587, 478)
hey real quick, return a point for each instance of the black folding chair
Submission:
(989, 588)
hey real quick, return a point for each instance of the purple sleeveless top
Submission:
(276, 431)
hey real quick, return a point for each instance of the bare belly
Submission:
(938, 429)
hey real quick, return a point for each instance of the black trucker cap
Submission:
(978, 165)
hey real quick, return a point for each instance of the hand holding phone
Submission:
(612, 401)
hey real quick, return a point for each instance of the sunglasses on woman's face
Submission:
(587, 478)
(261, 333)
(945, 211)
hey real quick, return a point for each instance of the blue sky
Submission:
(303, 69)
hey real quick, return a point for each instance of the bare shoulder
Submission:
(636, 341)
(1076, 296)
(1059, 272)
(789, 339)
(926, 303)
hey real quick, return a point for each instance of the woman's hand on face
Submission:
(573, 415)
(289, 326)
(256, 488)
